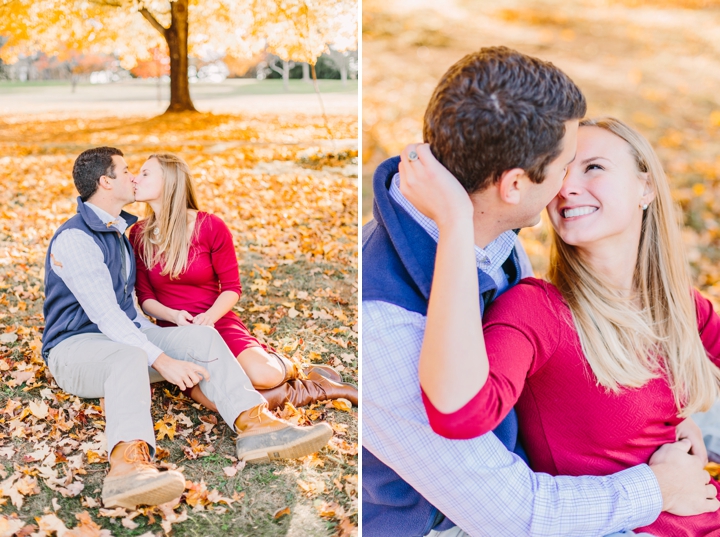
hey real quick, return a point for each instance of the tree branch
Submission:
(111, 3)
(272, 65)
(152, 20)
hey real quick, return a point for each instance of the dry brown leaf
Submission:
(8, 337)
(52, 524)
(166, 428)
(281, 513)
(87, 527)
(346, 529)
(129, 523)
(230, 471)
(342, 404)
(10, 525)
(94, 457)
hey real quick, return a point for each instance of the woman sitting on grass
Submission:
(606, 359)
(187, 272)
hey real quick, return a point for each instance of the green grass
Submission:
(240, 86)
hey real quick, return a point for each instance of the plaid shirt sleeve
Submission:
(478, 484)
(79, 263)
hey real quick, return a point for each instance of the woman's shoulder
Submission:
(704, 308)
(535, 289)
(212, 230)
(209, 220)
(531, 298)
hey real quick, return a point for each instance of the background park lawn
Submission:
(286, 183)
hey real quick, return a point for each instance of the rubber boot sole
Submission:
(156, 491)
(307, 445)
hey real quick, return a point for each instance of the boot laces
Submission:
(138, 453)
(256, 413)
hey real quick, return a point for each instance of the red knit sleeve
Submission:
(708, 326)
(143, 289)
(521, 332)
(222, 254)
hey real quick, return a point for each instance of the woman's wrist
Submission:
(172, 315)
(212, 315)
(457, 222)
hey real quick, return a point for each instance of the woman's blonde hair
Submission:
(170, 244)
(626, 345)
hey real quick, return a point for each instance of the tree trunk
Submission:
(341, 62)
(177, 40)
(306, 73)
(286, 76)
(284, 72)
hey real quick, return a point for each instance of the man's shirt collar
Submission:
(488, 259)
(109, 220)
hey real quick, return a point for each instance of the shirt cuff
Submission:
(143, 321)
(643, 493)
(152, 351)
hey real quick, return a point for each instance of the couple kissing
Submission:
(181, 265)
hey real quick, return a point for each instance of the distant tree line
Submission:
(41, 66)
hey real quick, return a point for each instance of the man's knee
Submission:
(200, 331)
(202, 335)
(131, 361)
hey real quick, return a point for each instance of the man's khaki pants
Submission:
(93, 366)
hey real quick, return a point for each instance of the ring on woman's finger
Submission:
(412, 156)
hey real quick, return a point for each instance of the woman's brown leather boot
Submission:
(302, 387)
(299, 386)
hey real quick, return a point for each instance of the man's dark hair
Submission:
(90, 166)
(496, 110)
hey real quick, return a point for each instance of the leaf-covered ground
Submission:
(654, 64)
(289, 195)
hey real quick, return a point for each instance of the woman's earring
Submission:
(644, 207)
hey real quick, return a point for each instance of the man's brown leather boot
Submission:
(134, 480)
(262, 437)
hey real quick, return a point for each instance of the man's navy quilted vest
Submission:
(398, 259)
(64, 317)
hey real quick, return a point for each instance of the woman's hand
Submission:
(182, 318)
(204, 319)
(689, 430)
(431, 188)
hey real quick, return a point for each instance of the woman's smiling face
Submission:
(602, 193)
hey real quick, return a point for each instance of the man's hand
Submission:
(204, 319)
(182, 318)
(689, 430)
(684, 484)
(182, 374)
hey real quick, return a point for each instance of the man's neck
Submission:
(111, 207)
(486, 223)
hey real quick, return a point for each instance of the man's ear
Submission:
(510, 185)
(105, 182)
